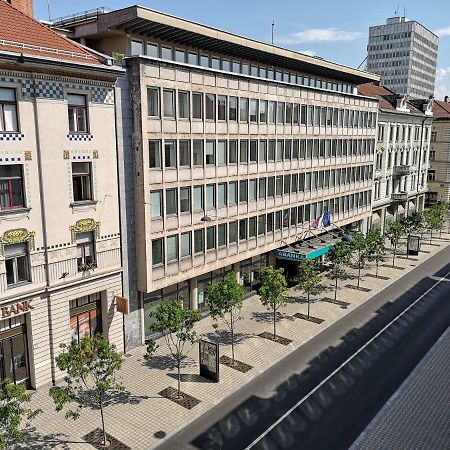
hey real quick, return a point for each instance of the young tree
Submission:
(91, 368)
(394, 233)
(309, 278)
(359, 245)
(225, 303)
(176, 324)
(273, 291)
(376, 251)
(433, 220)
(13, 411)
(412, 223)
(340, 257)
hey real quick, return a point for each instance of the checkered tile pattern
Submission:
(80, 137)
(11, 136)
(42, 89)
(10, 159)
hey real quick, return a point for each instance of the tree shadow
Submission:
(267, 317)
(37, 441)
(224, 337)
(190, 378)
(114, 398)
(166, 362)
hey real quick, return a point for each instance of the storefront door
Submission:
(14, 353)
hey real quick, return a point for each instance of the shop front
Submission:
(85, 316)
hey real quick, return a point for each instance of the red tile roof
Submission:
(22, 34)
(441, 110)
(386, 97)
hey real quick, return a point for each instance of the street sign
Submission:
(209, 360)
(122, 305)
(413, 245)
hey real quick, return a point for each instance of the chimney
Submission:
(25, 6)
(446, 99)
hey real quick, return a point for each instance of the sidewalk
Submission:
(142, 418)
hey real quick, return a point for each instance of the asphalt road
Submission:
(337, 412)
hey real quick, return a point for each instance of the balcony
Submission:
(400, 170)
(399, 196)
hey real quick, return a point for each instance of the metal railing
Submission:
(71, 18)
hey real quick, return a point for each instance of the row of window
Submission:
(77, 112)
(399, 158)
(219, 195)
(222, 152)
(198, 105)
(17, 259)
(186, 244)
(216, 62)
(402, 133)
(12, 192)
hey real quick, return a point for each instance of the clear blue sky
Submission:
(333, 29)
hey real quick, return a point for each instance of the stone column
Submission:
(194, 293)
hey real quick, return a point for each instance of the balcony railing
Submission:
(399, 196)
(401, 170)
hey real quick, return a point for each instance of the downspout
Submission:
(44, 228)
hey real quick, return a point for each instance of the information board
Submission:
(209, 360)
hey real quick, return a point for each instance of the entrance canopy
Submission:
(310, 249)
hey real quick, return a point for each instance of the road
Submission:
(337, 402)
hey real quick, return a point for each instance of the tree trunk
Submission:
(359, 273)
(431, 236)
(308, 306)
(335, 288)
(105, 440)
(393, 258)
(179, 379)
(376, 271)
(274, 323)
(232, 337)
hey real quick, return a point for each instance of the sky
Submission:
(336, 30)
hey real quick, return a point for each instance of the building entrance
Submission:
(14, 350)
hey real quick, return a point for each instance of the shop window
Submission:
(85, 251)
(77, 107)
(17, 263)
(8, 110)
(85, 316)
(82, 181)
(11, 187)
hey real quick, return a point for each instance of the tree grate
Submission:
(356, 288)
(392, 267)
(276, 338)
(95, 438)
(185, 400)
(380, 277)
(309, 319)
(237, 365)
(340, 303)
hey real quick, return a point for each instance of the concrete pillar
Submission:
(272, 259)
(237, 272)
(194, 293)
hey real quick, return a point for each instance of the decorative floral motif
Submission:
(17, 236)
(85, 226)
(95, 154)
(28, 155)
(66, 154)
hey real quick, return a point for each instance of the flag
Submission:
(320, 221)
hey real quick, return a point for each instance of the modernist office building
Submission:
(231, 148)
(60, 262)
(401, 157)
(404, 54)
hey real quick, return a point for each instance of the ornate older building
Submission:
(60, 259)
(401, 159)
(232, 149)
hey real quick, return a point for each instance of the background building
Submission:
(231, 148)
(60, 261)
(439, 171)
(401, 158)
(404, 53)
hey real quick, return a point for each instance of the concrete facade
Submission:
(48, 294)
(230, 157)
(404, 53)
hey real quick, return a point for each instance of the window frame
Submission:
(71, 107)
(16, 111)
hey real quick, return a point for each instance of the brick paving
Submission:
(141, 418)
(417, 416)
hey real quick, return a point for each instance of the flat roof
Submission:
(144, 21)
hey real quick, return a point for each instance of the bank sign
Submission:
(294, 256)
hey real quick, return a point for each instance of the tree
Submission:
(412, 223)
(13, 411)
(394, 233)
(433, 220)
(339, 256)
(225, 303)
(359, 245)
(376, 251)
(309, 278)
(273, 291)
(91, 366)
(176, 324)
